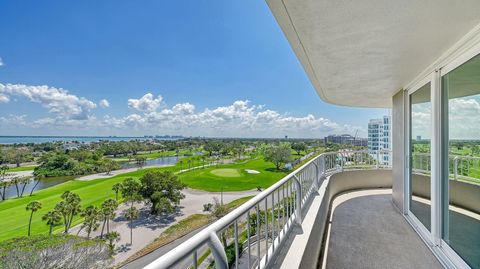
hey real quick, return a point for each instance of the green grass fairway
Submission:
(210, 179)
(15, 218)
(226, 172)
(19, 169)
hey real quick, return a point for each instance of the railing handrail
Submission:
(187, 247)
(449, 156)
(208, 234)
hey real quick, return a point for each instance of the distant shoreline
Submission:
(28, 139)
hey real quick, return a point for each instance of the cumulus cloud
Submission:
(146, 103)
(4, 98)
(104, 103)
(13, 119)
(57, 100)
(464, 118)
(237, 119)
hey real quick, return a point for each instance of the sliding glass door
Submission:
(420, 154)
(461, 160)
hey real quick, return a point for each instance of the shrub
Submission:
(54, 251)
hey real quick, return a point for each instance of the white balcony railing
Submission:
(255, 231)
(465, 168)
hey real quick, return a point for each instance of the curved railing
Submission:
(254, 232)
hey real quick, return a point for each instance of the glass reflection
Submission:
(461, 160)
(420, 158)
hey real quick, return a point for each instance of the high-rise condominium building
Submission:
(379, 139)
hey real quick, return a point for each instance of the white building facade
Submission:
(379, 139)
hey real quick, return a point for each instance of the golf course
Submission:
(233, 177)
(228, 177)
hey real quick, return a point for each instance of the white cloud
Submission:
(464, 118)
(1, 62)
(146, 104)
(18, 120)
(4, 98)
(239, 119)
(58, 101)
(104, 103)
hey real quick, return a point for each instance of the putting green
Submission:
(226, 172)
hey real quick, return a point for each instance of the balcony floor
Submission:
(367, 231)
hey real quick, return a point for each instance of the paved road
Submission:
(147, 227)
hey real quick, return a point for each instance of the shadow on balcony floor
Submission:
(369, 232)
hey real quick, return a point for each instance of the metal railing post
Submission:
(298, 200)
(455, 168)
(315, 181)
(218, 252)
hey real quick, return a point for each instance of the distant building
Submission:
(345, 139)
(71, 145)
(379, 132)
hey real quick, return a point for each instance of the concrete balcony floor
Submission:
(367, 231)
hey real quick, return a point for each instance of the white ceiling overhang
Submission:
(360, 52)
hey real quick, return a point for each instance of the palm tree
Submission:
(112, 237)
(91, 216)
(4, 185)
(108, 212)
(68, 208)
(33, 206)
(130, 191)
(203, 161)
(63, 209)
(24, 181)
(73, 202)
(117, 187)
(16, 181)
(131, 214)
(52, 218)
(180, 162)
(37, 180)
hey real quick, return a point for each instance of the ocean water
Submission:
(43, 139)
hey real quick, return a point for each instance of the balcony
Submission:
(368, 231)
(286, 225)
(333, 212)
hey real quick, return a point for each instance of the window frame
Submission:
(461, 59)
(466, 49)
(414, 221)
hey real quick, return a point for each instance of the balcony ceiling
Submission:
(359, 53)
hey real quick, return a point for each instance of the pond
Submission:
(52, 181)
(42, 184)
(162, 161)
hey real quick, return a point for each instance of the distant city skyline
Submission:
(82, 68)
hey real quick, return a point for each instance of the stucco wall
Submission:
(398, 147)
(462, 194)
(335, 185)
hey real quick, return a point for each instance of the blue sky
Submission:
(209, 68)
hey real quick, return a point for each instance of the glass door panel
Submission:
(420, 156)
(461, 160)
